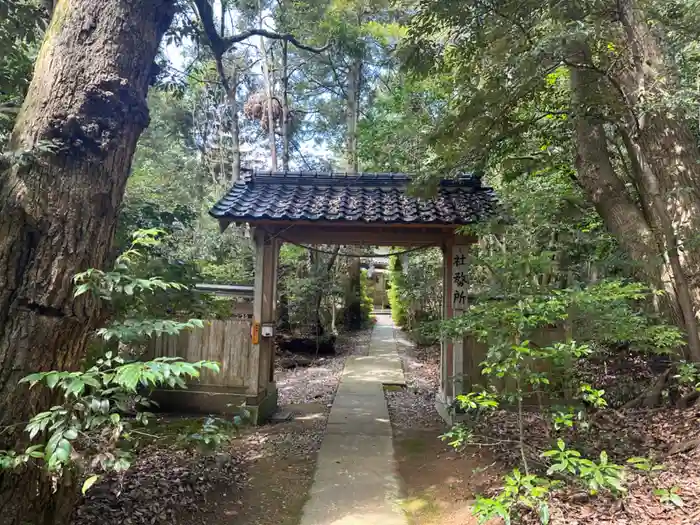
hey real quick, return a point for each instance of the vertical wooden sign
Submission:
(459, 279)
(459, 306)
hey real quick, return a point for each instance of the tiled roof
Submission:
(362, 197)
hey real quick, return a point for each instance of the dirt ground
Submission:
(279, 458)
(261, 478)
(439, 484)
(264, 476)
(279, 461)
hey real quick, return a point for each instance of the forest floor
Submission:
(261, 478)
(264, 476)
(668, 436)
(439, 484)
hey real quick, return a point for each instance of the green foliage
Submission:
(602, 475)
(477, 401)
(688, 374)
(512, 327)
(522, 120)
(366, 301)
(520, 492)
(174, 184)
(593, 396)
(565, 460)
(415, 293)
(358, 303)
(458, 436)
(97, 410)
(666, 495)
(88, 423)
(215, 433)
(310, 287)
(394, 134)
(572, 417)
(399, 313)
(473, 404)
(22, 23)
(135, 299)
(669, 496)
(645, 465)
(363, 32)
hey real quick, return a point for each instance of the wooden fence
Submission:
(225, 341)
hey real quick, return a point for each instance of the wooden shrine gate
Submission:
(364, 209)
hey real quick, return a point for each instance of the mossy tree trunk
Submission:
(78, 128)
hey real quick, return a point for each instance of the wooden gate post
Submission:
(455, 303)
(264, 319)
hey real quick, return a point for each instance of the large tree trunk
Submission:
(79, 125)
(666, 149)
(285, 106)
(650, 191)
(234, 127)
(353, 301)
(352, 114)
(269, 91)
(622, 216)
(323, 275)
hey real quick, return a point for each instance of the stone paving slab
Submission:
(382, 369)
(356, 480)
(371, 401)
(355, 483)
(359, 422)
(352, 387)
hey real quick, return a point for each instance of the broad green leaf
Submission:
(91, 380)
(33, 378)
(52, 379)
(75, 387)
(676, 500)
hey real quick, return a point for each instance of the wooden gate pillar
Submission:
(455, 302)
(264, 322)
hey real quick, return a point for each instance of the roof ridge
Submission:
(339, 178)
(329, 178)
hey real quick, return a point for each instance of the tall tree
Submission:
(71, 149)
(332, 90)
(506, 59)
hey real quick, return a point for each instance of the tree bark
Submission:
(285, 106)
(664, 142)
(625, 220)
(78, 126)
(269, 89)
(323, 275)
(650, 191)
(596, 174)
(352, 111)
(230, 83)
(234, 127)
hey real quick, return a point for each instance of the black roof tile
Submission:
(361, 197)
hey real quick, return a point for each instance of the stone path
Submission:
(356, 481)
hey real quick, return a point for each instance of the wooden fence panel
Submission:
(225, 341)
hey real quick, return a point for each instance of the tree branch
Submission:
(287, 37)
(220, 45)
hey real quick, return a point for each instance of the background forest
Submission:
(583, 116)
